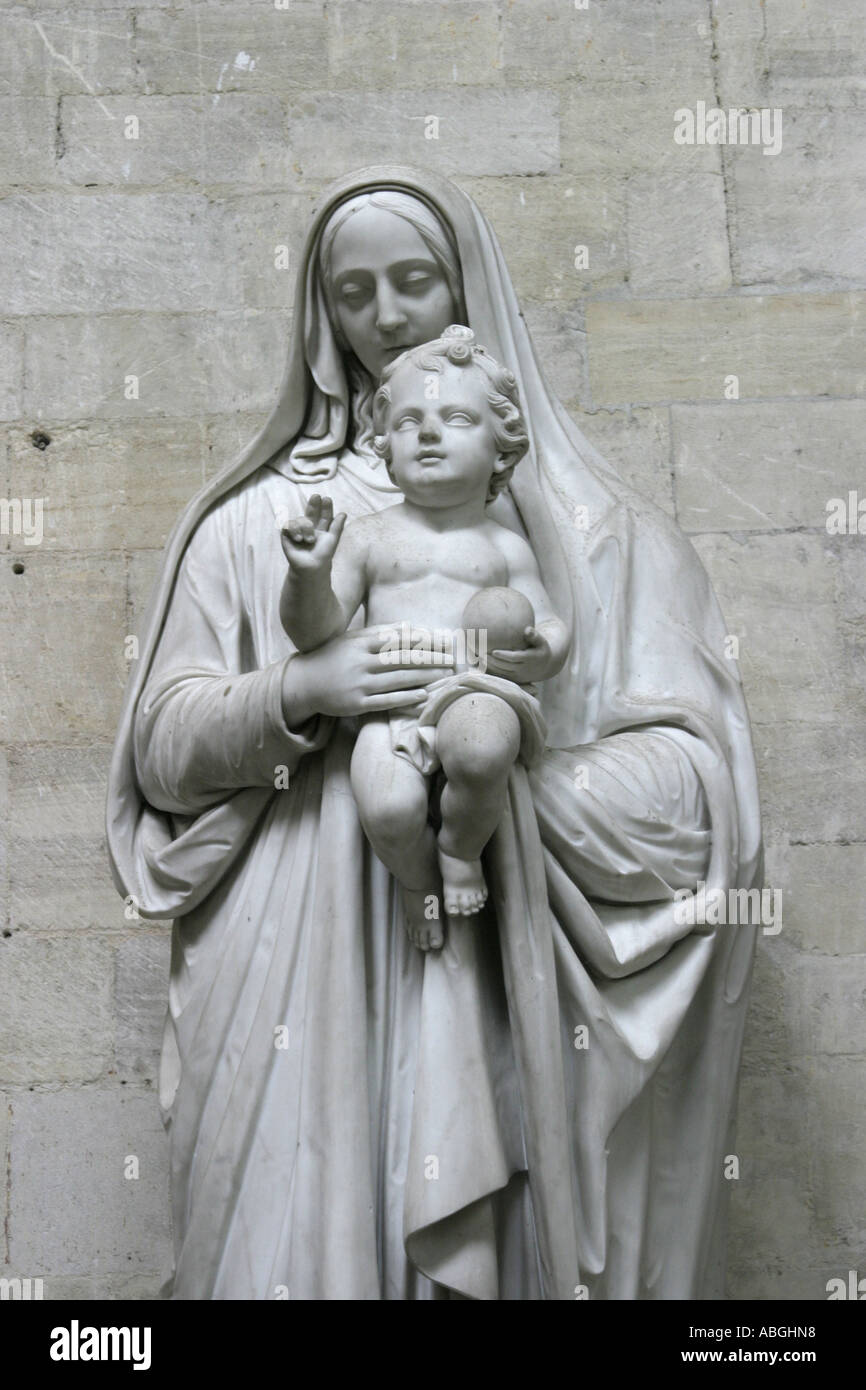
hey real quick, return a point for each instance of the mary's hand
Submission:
(356, 673)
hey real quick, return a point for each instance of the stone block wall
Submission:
(698, 307)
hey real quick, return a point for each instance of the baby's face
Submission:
(443, 451)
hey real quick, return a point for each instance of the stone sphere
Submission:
(503, 614)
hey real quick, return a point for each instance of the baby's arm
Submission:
(549, 640)
(325, 582)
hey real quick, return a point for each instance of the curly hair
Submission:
(457, 348)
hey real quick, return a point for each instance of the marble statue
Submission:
(449, 450)
(537, 1104)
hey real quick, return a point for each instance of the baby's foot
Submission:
(427, 935)
(464, 888)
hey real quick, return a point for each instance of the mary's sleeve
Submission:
(206, 724)
(632, 821)
(624, 821)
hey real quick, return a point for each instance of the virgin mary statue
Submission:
(542, 1108)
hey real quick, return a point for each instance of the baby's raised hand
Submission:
(309, 541)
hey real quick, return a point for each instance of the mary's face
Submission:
(389, 291)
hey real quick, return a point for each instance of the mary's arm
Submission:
(207, 724)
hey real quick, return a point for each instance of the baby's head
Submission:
(452, 398)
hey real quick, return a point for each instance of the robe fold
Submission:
(542, 1109)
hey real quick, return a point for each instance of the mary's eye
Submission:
(416, 280)
(353, 293)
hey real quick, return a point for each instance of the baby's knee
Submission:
(394, 814)
(480, 740)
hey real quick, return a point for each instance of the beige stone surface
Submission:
(100, 479)
(769, 1217)
(777, 593)
(814, 52)
(838, 1179)
(5, 1130)
(824, 888)
(97, 253)
(61, 633)
(11, 370)
(683, 254)
(770, 465)
(58, 870)
(811, 777)
(615, 41)
(797, 216)
(111, 1224)
(480, 131)
(4, 841)
(185, 49)
(76, 50)
(683, 349)
(637, 442)
(797, 1209)
(244, 357)
(181, 365)
(30, 140)
(156, 258)
(238, 140)
(57, 1018)
(542, 223)
(256, 237)
(741, 56)
(81, 366)
(373, 44)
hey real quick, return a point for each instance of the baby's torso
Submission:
(427, 577)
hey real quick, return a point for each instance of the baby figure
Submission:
(448, 424)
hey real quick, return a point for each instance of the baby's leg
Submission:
(392, 798)
(478, 740)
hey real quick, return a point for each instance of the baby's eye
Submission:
(405, 422)
(459, 417)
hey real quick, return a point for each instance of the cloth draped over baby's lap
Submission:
(625, 1020)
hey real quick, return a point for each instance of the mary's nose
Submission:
(389, 314)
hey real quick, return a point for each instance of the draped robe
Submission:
(542, 1109)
